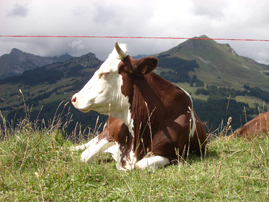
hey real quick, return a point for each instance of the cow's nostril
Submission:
(74, 99)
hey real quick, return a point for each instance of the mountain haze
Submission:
(17, 61)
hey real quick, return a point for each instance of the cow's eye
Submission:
(103, 74)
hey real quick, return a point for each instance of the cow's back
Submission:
(257, 126)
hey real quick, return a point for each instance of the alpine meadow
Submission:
(39, 126)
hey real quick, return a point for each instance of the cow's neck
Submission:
(157, 100)
(146, 106)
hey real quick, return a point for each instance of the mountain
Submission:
(43, 89)
(49, 81)
(17, 61)
(220, 65)
(221, 82)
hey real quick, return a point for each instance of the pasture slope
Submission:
(37, 165)
(220, 65)
(211, 72)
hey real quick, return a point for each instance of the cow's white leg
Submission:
(151, 162)
(117, 155)
(96, 147)
(114, 151)
(82, 147)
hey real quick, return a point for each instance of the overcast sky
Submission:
(242, 19)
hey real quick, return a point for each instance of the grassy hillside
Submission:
(220, 65)
(37, 165)
(205, 63)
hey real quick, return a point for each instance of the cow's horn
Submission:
(119, 51)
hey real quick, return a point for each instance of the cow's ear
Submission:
(145, 65)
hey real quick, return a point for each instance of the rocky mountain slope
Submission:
(17, 61)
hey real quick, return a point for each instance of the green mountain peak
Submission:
(220, 65)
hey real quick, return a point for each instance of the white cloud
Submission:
(18, 10)
(171, 18)
(76, 45)
(211, 8)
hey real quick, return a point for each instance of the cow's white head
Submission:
(105, 92)
(102, 93)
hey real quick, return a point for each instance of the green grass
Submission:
(37, 165)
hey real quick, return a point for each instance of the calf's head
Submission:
(108, 91)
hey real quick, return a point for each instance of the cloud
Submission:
(171, 18)
(18, 11)
(76, 45)
(211, 8)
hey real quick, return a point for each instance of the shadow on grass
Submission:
(192, 158)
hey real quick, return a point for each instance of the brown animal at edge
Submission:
(254, 128)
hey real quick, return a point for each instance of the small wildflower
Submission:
(36, 174)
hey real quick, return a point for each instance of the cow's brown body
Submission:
(116, 131)
(161, 110)
(254, 128)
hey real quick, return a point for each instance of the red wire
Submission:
(131, 37)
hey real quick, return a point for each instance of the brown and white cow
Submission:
(254, 128)
(159, 116)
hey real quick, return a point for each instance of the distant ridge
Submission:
(221, 83)
(17, 61)
(220, 65)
